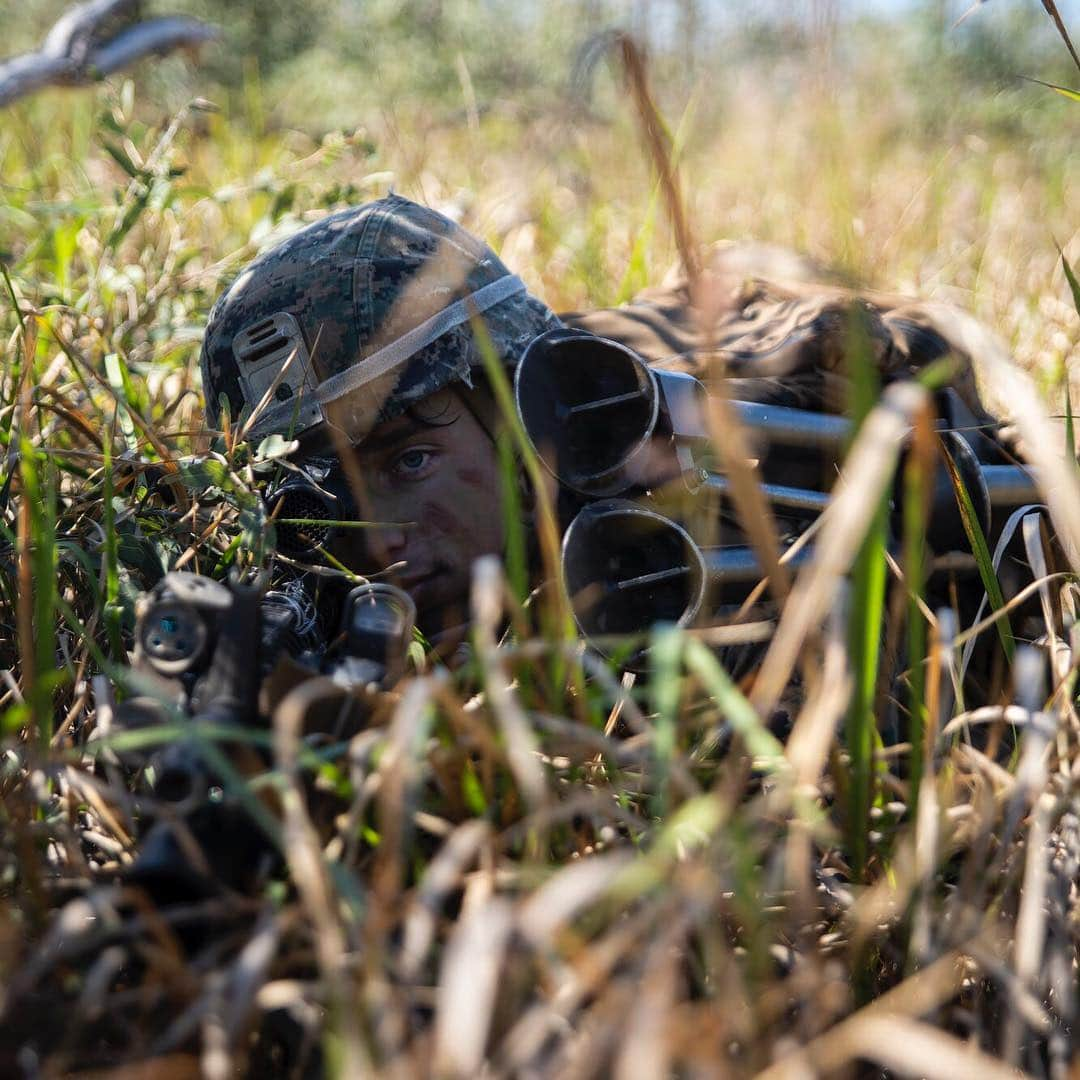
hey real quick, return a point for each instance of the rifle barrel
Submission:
(738, 565)
(800, 428)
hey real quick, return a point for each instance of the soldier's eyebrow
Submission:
(398, 431)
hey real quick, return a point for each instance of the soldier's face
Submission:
(431, 482)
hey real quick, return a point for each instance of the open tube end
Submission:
(626, 568)
(589, 406)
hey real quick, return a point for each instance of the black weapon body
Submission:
(202, 649)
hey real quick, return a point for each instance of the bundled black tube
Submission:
(626, 567)
(594, 411)
(592, 408)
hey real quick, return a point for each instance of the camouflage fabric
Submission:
(362, 278)
(781, 336)
(355, 282)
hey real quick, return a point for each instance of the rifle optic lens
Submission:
(627, 568)
(173, 637)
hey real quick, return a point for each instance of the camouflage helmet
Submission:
(354, 319)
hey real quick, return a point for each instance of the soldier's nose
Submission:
(388, 542)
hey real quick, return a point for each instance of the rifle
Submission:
(214, 655)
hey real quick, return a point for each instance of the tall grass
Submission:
(535, 863)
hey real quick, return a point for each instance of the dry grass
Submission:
(529, 866)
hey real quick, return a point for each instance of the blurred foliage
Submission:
(332, 63)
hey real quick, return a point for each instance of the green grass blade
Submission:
(546, 518)
(517, 552)
(1070, 427)
(113, 609)
(636, 276)
(866, 614)
(766, 750)
(1074, 287)
(120, 380)
(7, 415)
(1064, 91)
(864, 643)
(665, 691)
(981, 551)
(39, 493)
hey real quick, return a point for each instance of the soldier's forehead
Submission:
(436, 411)
(390, 434)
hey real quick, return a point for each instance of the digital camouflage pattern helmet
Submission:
(357, 317)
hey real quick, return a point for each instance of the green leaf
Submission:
(1070, 277)
(275, 446)
(255, 535)
(65, 244)
(472, 791)
(14, 719)
(197, 474)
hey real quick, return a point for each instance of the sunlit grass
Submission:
(536, 860)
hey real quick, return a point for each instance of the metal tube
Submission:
(1010, 485)
(739, 565)
(792, 498)
(954, 562)
(800, 428)
(1006, 485)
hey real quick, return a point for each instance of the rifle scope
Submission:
(176, 621)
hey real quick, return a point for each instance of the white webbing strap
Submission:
(408, 345)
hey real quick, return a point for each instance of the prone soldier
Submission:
(357, 336)
(360, 337)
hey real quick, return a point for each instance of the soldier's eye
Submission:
(411, 462)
